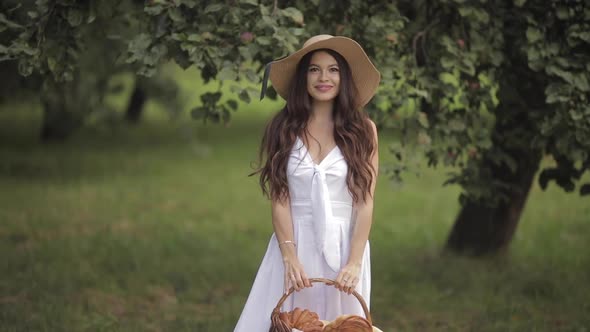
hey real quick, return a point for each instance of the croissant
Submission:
(303, 320)
(285, 317)
(349, 323)
(306, 321)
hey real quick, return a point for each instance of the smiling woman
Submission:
(323, 76)
(318, 162)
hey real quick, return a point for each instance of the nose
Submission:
(324, 75)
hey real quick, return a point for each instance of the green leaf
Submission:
(195, 37)
(467, 66)
(210, 98)
(249, 2)
(294, 14)
(176, 15)
(420, 92)
(424, 138)
(251, 75)
(554, 98)
(465, 11)
(243, 95)
(378, 22)
(581, 82)
(483, 16)
(214, 7)
(447, 62)
(533, 34)
(496, 58)
(74, 17)
(449, 79)
(188, 3)
(575, 115)
(562, 12)
(566, 75)
(232, 103)
(154, 9)
(423, 120)
(519, 3)
(10, 24)
(199, 112)
(207, 35)
(227, 74)
(263, 40)
(245, 52)
(25, 68)
(52, 64)
(297, 31)
(457, 125)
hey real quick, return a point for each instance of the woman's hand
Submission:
(348, 277)
(294, 274)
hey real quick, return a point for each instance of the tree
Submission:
(533, 57)
(75, 48)
(487, 86)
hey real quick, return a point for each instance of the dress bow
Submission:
(328, 233)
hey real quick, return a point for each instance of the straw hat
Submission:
(364, 74)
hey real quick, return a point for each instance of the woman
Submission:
(319, 164)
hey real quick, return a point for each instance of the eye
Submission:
(313, 69)
(334, 69)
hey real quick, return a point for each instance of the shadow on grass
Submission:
(98, 150)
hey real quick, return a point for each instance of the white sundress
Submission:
(322, 214)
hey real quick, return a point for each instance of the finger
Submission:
(347, 287)
(352, 284)
(349, 281)
(344, 281)
(355, 282)
(299, 281)
(306, 281)
(338, 279)
(294, 281)
(286, 283)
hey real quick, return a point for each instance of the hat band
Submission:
(265, 80)
(266, 76)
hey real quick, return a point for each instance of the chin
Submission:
(324, 98)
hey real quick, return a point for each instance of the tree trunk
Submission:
(481, 229)
(135, 107)
(59, 122)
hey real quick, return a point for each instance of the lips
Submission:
(323, 88)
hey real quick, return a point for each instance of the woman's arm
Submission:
(283, 227)
(348, 277)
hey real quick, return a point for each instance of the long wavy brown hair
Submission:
(352, 133)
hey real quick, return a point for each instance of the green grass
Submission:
(159, 228)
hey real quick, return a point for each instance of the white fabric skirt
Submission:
(327, 301)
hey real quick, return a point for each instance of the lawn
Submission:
(158, 227)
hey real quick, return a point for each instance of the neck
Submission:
(321, 111)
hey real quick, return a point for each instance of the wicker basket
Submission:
(278, 325)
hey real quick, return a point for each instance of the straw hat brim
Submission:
(364, 74)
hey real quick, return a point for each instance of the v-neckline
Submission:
(309, 154)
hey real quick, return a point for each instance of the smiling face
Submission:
(323, 77)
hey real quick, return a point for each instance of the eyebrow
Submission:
(331, 65)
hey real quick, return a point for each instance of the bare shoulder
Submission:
(373, 128)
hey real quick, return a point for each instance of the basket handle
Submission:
(328, 282)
